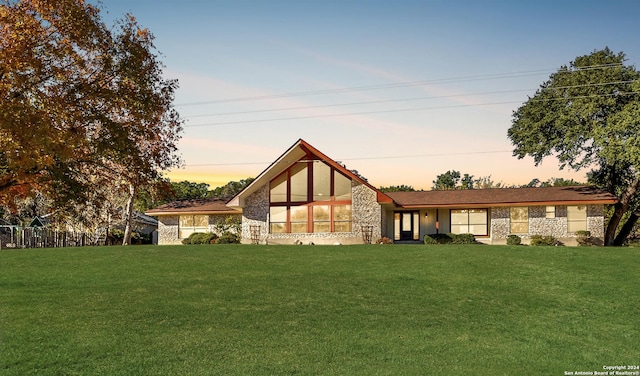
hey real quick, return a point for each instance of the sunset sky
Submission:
(400, 91)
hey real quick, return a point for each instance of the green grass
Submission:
(303, 310)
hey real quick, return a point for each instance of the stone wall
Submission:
(168, 229)
(256, 213)
(366, 211)
(595, 220)
(540, 225)
(500, 223)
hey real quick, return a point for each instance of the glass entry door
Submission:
(406, 226)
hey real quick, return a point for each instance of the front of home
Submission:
(306, 197)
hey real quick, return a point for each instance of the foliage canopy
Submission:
(587, 115)
(82, 106)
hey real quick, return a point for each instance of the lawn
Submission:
(311, 310)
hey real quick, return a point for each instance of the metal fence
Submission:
(40, 237)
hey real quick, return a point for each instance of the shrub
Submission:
(228, 238)
(200, 238)
(462, 238)
(544, 240)
(428, 239)
(585, 239)
(437, 239)
(514, 240)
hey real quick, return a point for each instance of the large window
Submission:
(310, 196)
(576, 218)
(192, 223)
(519, 218)
(470, 221)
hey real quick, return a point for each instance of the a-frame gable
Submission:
(299, 150)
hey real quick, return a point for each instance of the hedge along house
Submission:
(306, 197)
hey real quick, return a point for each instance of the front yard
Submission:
(309, 310)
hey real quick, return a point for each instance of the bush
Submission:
(428, 239)
(514, 240)
(585, 239)
(228, 238)
(544, 240)
(463, 238)
(437, 239)
(200, 238)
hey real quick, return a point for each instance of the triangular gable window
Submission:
(310, 196)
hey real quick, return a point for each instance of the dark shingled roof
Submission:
(194, 206)
(503, 197)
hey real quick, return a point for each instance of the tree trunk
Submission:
(620, 208)
(627, 228)
(612, 226)
(128, 216)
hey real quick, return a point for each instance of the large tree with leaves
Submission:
(587, 115)
(81, 104)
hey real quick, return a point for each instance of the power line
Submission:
(358, 88)
(400, 100)
(358, 158)
(396, 85)
(403, 110)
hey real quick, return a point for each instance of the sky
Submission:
(400, 91)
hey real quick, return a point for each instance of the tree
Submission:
(485, 182)
(467, 182)
(448, 180)
(81, 106)
(188, 190)
(587, 115)
(230, 189)
(397, 188)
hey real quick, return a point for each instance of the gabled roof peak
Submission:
(299, 150)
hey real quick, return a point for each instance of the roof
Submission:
(38, 221)
(300, 149)
(193, 206)
(572, 195)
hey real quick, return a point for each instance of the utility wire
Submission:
(396, 85)
(400, 100)
(403, 110)
(359, 158)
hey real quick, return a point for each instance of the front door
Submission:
(406, 226)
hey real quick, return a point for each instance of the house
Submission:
(306, 197)
(179, 219)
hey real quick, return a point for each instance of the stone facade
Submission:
(540, 225)
(256, 213)
(169, 229)
(499, 218)
(365, 212)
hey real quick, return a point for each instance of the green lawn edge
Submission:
(308, 310)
